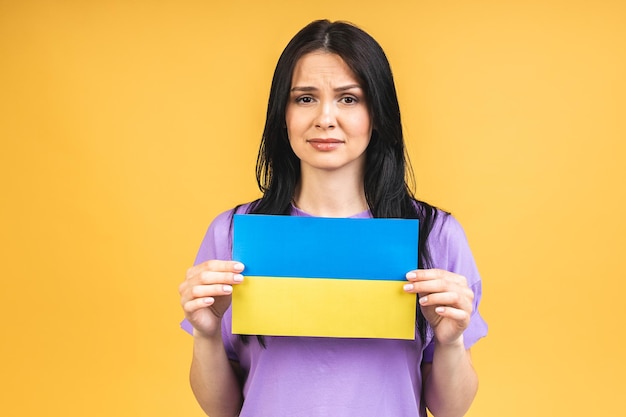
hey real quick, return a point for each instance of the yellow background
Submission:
(126, 126)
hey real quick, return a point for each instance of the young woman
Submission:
(333, 147)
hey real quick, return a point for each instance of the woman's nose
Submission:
(326, 118)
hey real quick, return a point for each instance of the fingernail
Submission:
(423, 300)
(237, 277)
(408, 287)
(208, 300)
(238, 266)
(227, 288)
(440, 309)
(410, 275)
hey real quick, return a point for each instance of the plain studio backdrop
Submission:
(126, 126)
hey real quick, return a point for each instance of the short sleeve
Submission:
(217, 242)
(215, 245)
(450, 251)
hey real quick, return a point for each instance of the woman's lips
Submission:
(325, 144)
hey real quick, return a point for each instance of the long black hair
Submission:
(388, 171)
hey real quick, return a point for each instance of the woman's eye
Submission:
(348, 100)
(304, 99)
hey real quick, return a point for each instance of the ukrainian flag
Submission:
(326, 277)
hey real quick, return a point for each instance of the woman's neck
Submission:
(326, 195)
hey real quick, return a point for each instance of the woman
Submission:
(333, 147)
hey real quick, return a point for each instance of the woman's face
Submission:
(327, 117)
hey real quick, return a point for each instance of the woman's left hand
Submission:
(445, 299)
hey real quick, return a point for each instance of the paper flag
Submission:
(327, 277)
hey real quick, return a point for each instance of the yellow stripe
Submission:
(323, 307)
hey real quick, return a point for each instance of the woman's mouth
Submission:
(325, 144)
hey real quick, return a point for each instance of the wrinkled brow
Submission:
(310, 88)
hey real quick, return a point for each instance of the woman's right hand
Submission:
(206, 294)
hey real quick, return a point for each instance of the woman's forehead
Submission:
(322, 67)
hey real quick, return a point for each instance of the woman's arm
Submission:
(205, 296)
(213, 379)
(450, 383)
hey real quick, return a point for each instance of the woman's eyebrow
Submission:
(347, 87)
(303, 88)
(311, 88)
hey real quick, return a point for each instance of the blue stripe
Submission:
(316, 247)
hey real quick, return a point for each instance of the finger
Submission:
(215, 265)
(435, 274)
(435, 286)
(216, 290)
(450, 299)
(212, 277)
(460, 316)
(190, 292)
(196, 304)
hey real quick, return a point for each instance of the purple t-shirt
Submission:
(320, 377)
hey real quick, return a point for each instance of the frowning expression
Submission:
(327, 117)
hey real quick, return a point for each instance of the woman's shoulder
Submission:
(217, 240)
(439, 220)
(444, 233)
(448, 226)
(450, 249)
(430, 216)
(225, 218)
